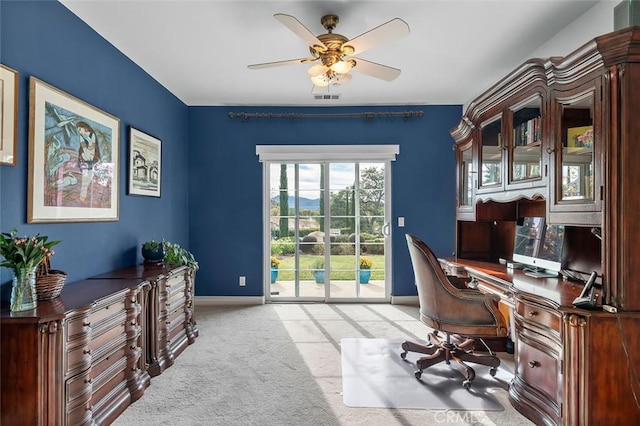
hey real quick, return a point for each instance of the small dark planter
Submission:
(153, 255)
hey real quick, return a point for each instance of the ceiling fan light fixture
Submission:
(317, 70)
(320, 80)
(342, 67)
(342, 78)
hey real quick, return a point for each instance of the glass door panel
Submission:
(337, 255)
(465, 196)
(577, 149)
(491, 153)
(526, 146)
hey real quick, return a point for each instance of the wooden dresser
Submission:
(171, 326)
(75, 359)
(559, 138)
(86, 355)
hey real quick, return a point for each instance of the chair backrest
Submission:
(445, 307)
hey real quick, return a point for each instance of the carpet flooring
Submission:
(374, 375)
(280, 364)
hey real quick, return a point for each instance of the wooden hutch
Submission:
(560, 138)
(85, 356)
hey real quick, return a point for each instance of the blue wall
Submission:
(45, 40)
(225, 185)
(212, 180)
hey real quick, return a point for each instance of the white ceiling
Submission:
(199, 50)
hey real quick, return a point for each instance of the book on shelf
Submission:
(527, 133)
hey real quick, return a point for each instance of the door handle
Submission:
(386, 229)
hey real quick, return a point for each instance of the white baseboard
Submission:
(229, 300)
(260, 300)
(405, 300)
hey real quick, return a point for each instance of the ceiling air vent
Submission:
(326, 96)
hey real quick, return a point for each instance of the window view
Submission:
(327, 222)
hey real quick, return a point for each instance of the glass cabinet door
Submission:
(491, 153)
(526, 142)
(465, 187)
(577, 154)
(576, 192)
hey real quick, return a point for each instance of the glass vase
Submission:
(23, 291)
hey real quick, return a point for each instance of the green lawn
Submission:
(342, 267)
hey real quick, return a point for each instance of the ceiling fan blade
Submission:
(389, 31)
(280, 63)
(300, 30)
(373, 69)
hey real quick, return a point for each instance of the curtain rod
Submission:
(245, 116)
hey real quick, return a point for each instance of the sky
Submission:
(342, 176)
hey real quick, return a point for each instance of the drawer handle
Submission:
(87, 351)
(534, 364)
(86, 324)
(133, 323)
(88, 381)
(533, 314)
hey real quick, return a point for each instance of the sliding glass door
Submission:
(328, 231)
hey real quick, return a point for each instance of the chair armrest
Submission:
(458, 282)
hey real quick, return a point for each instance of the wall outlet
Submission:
(243, 281)
(401, 222)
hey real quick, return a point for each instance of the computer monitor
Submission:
(538, 246)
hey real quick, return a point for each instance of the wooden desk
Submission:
(571, 367)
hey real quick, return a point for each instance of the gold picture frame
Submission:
(74, 151)
(8, 116)
(145, 164)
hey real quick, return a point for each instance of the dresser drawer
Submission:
(111, 337)
(77, 359)
(538, 316)
(539, 369)
(78, 389)
(76, 327)
(103, 311)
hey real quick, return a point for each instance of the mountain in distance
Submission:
(305, 203)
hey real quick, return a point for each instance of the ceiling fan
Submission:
(333, 51)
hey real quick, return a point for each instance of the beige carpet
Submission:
(280, 364)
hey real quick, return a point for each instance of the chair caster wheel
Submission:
(418, 374)
(493, 372)
(466, 384)
(403, 355)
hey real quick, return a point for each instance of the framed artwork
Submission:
(145, 163)
(73, 158)
(8, 115)
(580, 137)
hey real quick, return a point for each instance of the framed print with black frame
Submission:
(73, 158)
(8, 115)
(145, 164)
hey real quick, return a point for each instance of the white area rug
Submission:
(374, 375)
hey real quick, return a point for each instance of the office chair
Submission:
(461, 314)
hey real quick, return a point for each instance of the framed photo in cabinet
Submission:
(8, 115)
(580, 137)
(145, 162)
(73, 158)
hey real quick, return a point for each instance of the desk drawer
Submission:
(538, 316)
(539, 369)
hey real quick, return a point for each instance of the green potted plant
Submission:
(318, 271)
(178, 256)
(23, 255)
(154, 251)
(274, 268)
(365, 269)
